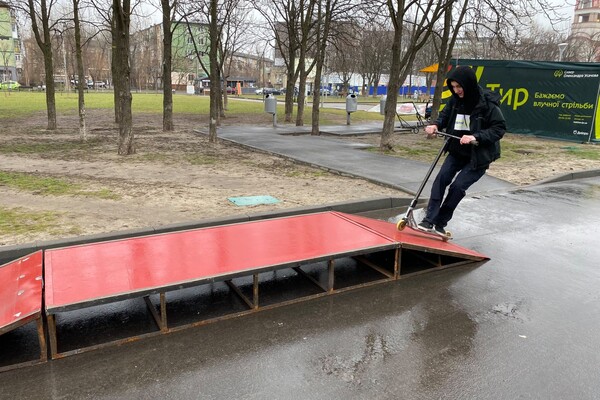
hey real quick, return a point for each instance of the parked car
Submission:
(263, 91)
(231, 90)
(272, 91)
(296, 91)
(10, 85)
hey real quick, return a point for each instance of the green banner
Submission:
(551, 99)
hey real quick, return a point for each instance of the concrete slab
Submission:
(344, 157)
(522, 325)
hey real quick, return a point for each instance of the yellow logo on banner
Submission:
(558, 73)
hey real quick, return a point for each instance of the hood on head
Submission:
(466, 78)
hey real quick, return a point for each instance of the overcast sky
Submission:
(567, 9)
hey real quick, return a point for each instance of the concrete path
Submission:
(342, 156)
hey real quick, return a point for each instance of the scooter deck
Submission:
(404, 223)
(445, 237)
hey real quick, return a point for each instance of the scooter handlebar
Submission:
(473, 142)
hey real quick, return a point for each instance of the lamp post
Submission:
(561, 50)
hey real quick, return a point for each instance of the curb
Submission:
(591, 173)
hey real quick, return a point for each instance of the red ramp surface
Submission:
(20, 290)
(21, 298)
(325, 243)
(85, 273)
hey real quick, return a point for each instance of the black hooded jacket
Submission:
(487, 123)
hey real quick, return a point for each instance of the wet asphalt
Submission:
(523, 325)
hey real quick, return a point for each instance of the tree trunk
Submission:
(122, 14)
(45, 44)
(50, 90)
(116, 77)
(82, 80)
(322, 37)
(392, 95)
(447, 44)
(166, 72)
(316, 99)
(289, 95)
(214, 73)
(301, 102)
(375, 86)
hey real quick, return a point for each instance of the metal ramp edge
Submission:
(414, 239)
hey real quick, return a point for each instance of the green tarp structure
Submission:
(551, 99)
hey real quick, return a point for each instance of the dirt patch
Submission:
(179, 176)
(173, 177)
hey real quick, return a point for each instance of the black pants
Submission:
(438, 212)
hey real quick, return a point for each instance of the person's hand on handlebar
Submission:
(431, 130)
(468, 139)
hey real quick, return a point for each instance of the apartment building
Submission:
(11, 63)
(584, 42)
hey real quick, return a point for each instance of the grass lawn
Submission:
(22, 104)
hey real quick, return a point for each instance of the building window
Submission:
(584, 18)
(584, 4)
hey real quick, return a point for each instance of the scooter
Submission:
(408, 219)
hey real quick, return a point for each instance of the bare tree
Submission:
(168, 10)
(486, 26)
(375, 56)
(82, 80)
(121, 73)
(39, 12)
(306, 41)
(413, 22)
(450, 31)
(233, 39)
(581, 46)
(218, 16)
(214, 75)
(282, 18)
(539, 45)
(5, 56)
(332, 18)
(343, 63)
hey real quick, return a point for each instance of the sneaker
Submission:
(440, 230)
(425, 226)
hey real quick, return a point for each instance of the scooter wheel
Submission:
(401, 224)
(448, 234)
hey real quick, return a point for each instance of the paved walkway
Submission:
(341, 155)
